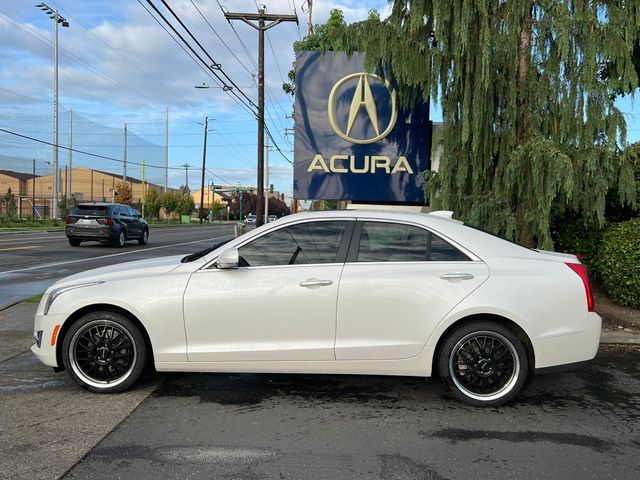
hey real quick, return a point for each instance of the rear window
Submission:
(90, 210)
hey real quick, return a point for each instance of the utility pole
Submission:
(265, 21)
(204, 163)
(143, 196)
(33, 192)
(124, 164)
(166, 153)
(266, 203)
(186, 174)
(69, 174)
(57, 18)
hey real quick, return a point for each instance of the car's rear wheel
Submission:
(104, 352)
(144, 239)
(74, 242)
(120, 240)
(483, 364)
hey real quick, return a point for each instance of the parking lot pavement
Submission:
(583, 424)
(47, 423)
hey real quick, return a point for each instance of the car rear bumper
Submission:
(99, 233)
(565, 351)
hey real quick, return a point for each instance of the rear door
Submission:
(399, 282)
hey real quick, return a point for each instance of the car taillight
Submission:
(581, 271)
(68, 220)
(108, 221)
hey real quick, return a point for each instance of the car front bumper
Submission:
(50, 327)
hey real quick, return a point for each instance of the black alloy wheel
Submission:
(104, 352)
(483, 364)
(74, 242)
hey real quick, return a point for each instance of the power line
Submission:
(35, 34)
(214, 67)
(222, 39)
(135, 65)
(75, 150)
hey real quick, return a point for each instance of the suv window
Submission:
(89, 210)
(304, 243)
(395, 242)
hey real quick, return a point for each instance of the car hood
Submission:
(120, 271)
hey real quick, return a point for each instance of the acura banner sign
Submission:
(352, 139)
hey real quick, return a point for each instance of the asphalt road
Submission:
(30, 262)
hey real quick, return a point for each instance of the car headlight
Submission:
(56, 292)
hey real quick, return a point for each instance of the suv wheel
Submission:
(121, 239)
(144, 239)
(74, 242)
(483, 364)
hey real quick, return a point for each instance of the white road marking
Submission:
(104, 256)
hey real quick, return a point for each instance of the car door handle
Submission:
(316, 282)
(457, 276)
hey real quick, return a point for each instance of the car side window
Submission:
(395, 242)
(303, 243)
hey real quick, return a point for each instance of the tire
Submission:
(122, 238)
(74, 242)
(480, 373)
(104, 352)
(144, 239)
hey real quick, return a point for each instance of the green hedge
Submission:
(618, 262)
(573, 236)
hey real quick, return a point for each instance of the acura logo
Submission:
(361, 98)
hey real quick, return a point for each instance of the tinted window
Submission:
(394, 242)
(89, 210)
(305, 243)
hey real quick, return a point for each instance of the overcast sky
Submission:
(118, 66)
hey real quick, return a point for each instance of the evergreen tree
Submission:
(527, 91)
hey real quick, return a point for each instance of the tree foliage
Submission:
(124, 194)
(152, 202)
(9, 200)
(527, 91)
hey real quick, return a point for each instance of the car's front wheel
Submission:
(483, 364)
(104, 352)
(74, 242)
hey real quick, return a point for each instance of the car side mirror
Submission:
(228, 259)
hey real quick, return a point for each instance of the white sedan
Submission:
(377, 293)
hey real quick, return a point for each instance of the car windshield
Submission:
(90, 210)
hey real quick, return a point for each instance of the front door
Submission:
(280, 304)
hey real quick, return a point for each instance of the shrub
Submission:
(573, 236)
(619, 261)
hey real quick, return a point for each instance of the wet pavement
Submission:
(583, 424)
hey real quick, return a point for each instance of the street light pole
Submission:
(57, 18)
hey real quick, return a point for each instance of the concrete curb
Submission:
(619, 336)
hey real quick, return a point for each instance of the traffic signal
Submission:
(271, 188)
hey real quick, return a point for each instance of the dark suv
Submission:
(107, 223)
